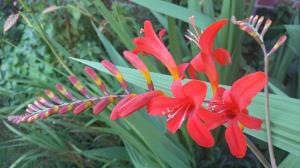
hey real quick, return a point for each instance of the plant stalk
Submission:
(258, 154)
(267, 108)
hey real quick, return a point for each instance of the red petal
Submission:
(228, 99)
(207, 38)
(249, 121)
(115, 112)
(148, 30)
(204, 63)
(192, 72)
(219, 95)
(236, 140)
(182, 68)
(81, 107)
(161, 34)
(159, 105)
(115, 72)
(216, 123)
(135, 61)
(176, 89)
(212, 74)
(196, 90)
(136, 103)
(100, 106)
(139, 65)
(198, 63)
(245, 88)
(153, 45)
(174, 123)
(222, 56)
(212, 120)
(198, 132)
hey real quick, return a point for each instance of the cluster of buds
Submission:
(51, 104)
(252, 26)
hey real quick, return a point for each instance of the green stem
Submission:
(258, 154)
(267, 108)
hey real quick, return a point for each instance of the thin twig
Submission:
(258, 154)
(267, 108)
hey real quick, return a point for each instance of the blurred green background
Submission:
(34, 55)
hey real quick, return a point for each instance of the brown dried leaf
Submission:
(50, 9)
(10, 21)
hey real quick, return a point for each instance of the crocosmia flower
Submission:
(153, 45)
(230, 106)
(186, 104)
(204, 61)
(132, 103)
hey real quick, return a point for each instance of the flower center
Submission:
(184, 105)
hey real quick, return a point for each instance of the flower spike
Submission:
(102, 104)
(92, 74)
(79, 86)
(139, 65)
(42, 108)
(65, 92)
(53, 97)
(44, 102)
(279, 42)
(83, 106)
(113, 69)
(252, 26)
(132, 103)
(266, 27)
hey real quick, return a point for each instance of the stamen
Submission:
(192, 20)
(192, 40)
(191, 34)
(141, 31)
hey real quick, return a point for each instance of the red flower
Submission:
(187, 103)
(132, 103)
(153, 45)
(139, 65)
(231, 106)
(204, 61)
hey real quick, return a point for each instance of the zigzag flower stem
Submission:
(252, 25)
(50, 104)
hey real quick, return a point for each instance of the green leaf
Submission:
(174, 41)
(175, 11)
(112, 53)
(107, 152)
(291, 161)
(115, 24)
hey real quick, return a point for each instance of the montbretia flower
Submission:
(230, 106)
(115, 72)
(204, 61)
(153, 45)
(132, 103)
(139, 65)
(186, 103)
